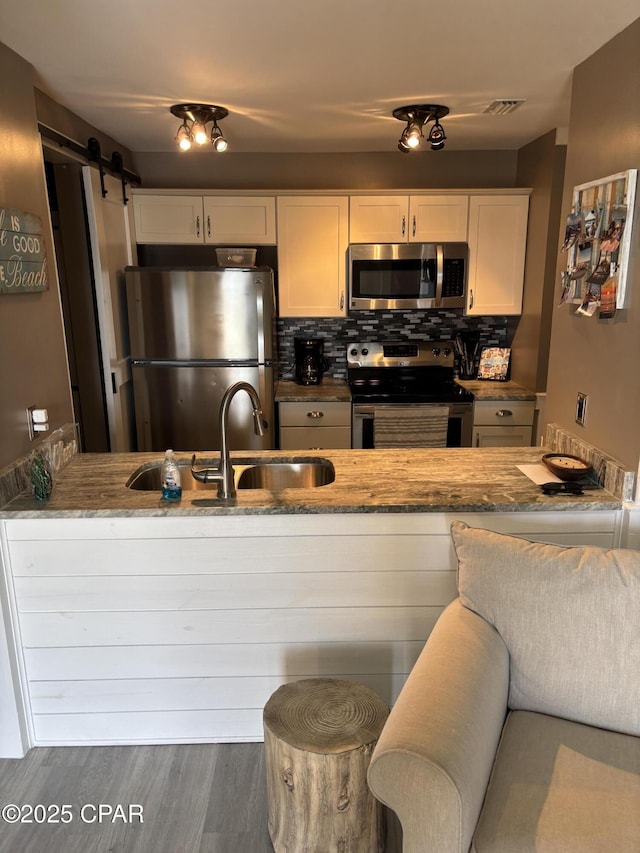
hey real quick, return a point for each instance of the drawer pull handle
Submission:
(315, 414)
(504, 413)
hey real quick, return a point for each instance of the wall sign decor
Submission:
(597, 242)
(23, 259)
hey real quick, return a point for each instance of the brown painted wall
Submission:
(208, 170)
(601, 358)
(541, 167)
(54, 115)
(32, 348)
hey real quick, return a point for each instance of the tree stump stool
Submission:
(319, 734)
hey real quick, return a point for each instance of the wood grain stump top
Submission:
(325, 715)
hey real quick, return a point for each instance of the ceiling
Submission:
(311, 75)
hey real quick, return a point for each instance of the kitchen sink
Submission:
(287, 475)
(302, 472)
(147, 478)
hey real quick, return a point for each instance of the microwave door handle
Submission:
(439, 272)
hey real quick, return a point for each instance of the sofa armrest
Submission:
(432, 761)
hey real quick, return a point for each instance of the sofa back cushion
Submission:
(570, 618)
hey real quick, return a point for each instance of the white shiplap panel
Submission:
(180, 694)
(256, 554)
(601, 540)
(348, 624)
(236, 724)
(215, 592)
(223, 660)
(356, 524)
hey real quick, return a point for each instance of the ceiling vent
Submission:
(501, 108)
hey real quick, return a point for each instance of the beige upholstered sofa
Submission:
(519, 727)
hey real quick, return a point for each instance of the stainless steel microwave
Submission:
(407, 275)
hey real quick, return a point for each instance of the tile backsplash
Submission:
(385, 326)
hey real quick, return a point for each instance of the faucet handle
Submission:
(205, 475)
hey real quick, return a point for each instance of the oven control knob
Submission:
(446, 351)
(354, 352)
(436, 351)
(365, 351)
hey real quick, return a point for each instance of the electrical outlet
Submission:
(37, 421)
(581, 408)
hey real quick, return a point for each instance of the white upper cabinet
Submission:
(497, 245)
(403, 218)
(168, 218)
(249, 220)
(438, 218)
(244, 220)
(313, 235)
(378, 218)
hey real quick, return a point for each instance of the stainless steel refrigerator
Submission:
(194, 332)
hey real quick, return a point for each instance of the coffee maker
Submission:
(310, 360)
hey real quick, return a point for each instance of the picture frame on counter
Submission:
(495, 364)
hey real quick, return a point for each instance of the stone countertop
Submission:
(399, 481)
(486, 389)
(337, 390)
(329, 391)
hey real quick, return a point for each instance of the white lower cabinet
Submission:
(507, 423)
(315, 425)
(178, 629)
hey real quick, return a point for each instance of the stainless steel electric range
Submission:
(406, 375)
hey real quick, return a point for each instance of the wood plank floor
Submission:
(197, 798)
(194, 798)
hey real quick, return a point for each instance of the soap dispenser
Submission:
(171, 485)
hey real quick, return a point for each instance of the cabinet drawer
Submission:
(492, 436)
(315, 438)
(503, 412)
(315, 414)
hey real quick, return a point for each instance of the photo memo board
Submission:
(598, 241)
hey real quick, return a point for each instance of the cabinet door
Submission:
(497, 242)
(495, 436)
(168, 218)
(313, 234)
(438, 218)
(247, 220)
(379, 219)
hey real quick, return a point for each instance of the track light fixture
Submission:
(416, 116)
(195, 118)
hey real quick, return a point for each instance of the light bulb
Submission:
(413, 135)
(217, 139)
(437, 136)
(184, 137)
(199, 133)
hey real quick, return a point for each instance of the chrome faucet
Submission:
(223, 473)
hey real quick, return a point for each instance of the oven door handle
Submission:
(439, 272)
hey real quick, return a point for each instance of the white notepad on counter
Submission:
(539, 473)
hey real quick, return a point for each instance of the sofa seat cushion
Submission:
(569, 618)
(561, 787)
